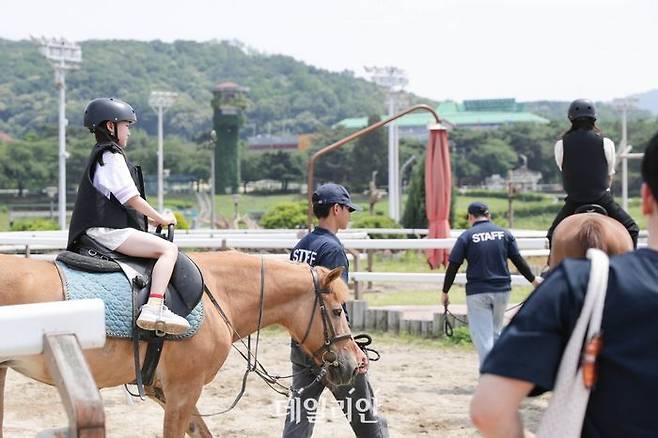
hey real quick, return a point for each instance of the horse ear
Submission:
(333, 274)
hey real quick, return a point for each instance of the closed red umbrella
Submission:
(438, 185)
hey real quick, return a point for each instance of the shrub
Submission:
(38, 224)
(285, 215)
(182, 223)
(501, 194)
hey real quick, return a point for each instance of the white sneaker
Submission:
(162, 319)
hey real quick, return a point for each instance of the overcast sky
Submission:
(456, 49)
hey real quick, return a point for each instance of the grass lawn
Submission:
(4, 219)
(498, 207)
(409, 297)
(253, 204)
(259, 204)
(414, 261)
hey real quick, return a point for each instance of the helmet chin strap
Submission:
(113, 134)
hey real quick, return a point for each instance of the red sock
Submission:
(155, 299)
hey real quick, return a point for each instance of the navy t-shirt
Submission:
(321, 248)
(623, 402)
(486, 247)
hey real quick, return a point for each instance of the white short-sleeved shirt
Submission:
(114, 178)
(608, 149)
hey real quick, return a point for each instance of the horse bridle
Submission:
(328, 331)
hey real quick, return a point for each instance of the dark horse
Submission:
(579, 232)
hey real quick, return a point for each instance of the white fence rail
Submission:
(24, 325)
(266, 242)
(413, 277)
(59, 331)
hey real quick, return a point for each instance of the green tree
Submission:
(335, 166)
(250, 169)
(24, 165)
(281, 166)
(537, 143)
(284, 92)
(494, 156)
(371, 154)
(415, 215)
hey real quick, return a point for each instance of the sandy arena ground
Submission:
(423, 390)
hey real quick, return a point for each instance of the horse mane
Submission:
(590, 235)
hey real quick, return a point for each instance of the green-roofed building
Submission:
(474, 114)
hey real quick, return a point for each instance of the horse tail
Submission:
(590, 235)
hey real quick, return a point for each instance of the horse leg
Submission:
(196, 428)
(3, 375)
(178, 410)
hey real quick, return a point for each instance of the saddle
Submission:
(183, 293)
(591, 208)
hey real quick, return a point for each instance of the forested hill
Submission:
(285, 94)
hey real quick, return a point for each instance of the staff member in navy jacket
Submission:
(486, 247)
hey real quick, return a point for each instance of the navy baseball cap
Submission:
(331, 193)
(478, 209)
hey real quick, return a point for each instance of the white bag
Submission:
(566, 411)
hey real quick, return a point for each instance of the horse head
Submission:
(322, 330)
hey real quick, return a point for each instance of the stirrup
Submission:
(160, 328)
(160, 324)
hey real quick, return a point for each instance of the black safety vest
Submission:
(93, 209)
(584, 166)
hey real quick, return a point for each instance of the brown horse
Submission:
(187, 365)
(579, 232)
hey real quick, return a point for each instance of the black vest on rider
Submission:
(584, 166)
(93, 209)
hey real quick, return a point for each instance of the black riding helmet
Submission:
(105, 109)
(582, 108)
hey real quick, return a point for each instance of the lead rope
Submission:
(449, 330)
(363, 341)
(249, 369)
(270, 380)
(447, 325)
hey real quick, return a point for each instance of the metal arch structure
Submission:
(332, 147)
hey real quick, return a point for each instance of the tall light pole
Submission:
(160, 101)
(63, 55)
(624, 148)
(394, 79)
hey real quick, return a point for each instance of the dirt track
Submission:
(422, 390)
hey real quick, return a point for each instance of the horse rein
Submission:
(273, 380)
